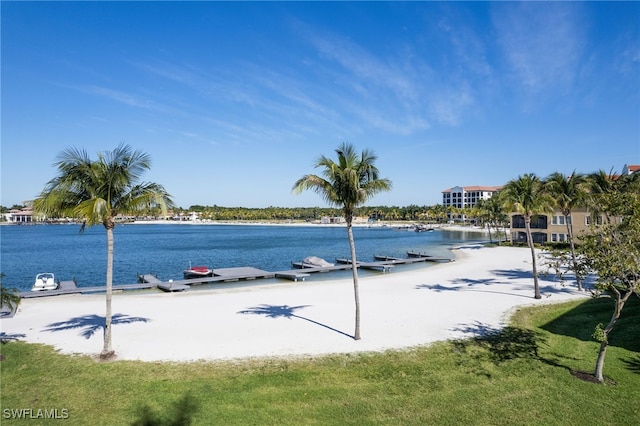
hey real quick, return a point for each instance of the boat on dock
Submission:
(206, 275)
(197, 272)
(316, 262)
(45, 281)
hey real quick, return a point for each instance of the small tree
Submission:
(9, 297)
(612, 250)
(347, 183)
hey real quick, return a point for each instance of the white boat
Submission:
(45, 281)
(316, 261)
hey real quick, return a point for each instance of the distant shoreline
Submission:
(442, 227)
(384, 224)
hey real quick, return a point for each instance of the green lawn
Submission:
(520, 376)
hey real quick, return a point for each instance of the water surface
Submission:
(166, 250)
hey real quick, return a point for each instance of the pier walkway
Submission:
(302, 270)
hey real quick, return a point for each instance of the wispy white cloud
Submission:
(541, 42)
(120, 96)
(399, 92)
(446, 107)
(365, 67)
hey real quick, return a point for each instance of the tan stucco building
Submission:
(552, 228)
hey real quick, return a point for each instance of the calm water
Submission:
(166, 250)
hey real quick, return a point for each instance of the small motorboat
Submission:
(45, 281)
(315, 261)
(197, 272)
(424, 228)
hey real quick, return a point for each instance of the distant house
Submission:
(327, 220)
(631, 169)
(24, 215)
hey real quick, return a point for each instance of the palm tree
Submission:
(601, 186)
(568, 193)
(347, 183)
(526, 195)
(96, 192)
(491, 212)
(9, 297)
(496, 214)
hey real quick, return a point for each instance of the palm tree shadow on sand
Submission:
(286, 311)
(9, 337)
(467, 284)
(90, 324)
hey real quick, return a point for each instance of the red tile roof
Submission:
(478, 188)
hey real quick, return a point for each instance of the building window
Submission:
(539, 222)
(558, 220)
(588, 220)
(559, 238)
(517, 221)
(539, 237)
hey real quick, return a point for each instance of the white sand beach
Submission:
(399, 310)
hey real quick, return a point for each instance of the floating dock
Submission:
(302, 270)
(413, 257)
(383, 266)
(70, 287)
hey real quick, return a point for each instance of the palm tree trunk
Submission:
(354, 270)
(107, 350)
(536, 285)
(573, 250)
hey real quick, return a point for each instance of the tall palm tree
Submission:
(568, 192)
(526, 196)
(96, 192)
(601, 186)
(347, 183)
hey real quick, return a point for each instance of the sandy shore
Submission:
(399, 310)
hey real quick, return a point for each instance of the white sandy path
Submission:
(399, 310)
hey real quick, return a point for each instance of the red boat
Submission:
(197, 272)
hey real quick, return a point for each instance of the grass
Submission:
(520, 375)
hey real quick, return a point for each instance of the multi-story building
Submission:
(552, 228)
(467, 196)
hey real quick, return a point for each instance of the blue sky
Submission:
(235, 101)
